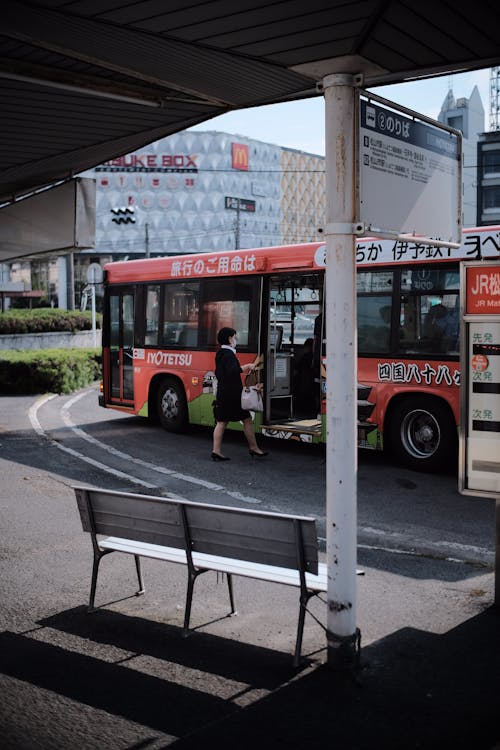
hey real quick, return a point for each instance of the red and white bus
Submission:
(161, 318)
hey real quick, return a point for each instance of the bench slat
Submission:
(252, 537)
(272, 573)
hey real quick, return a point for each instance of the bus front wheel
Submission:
(172, 406)
(422, 434)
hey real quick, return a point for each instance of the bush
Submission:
(48, 370)
(46, 320)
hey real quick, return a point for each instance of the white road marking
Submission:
(33, 415)
(65, 413)
(466, 550)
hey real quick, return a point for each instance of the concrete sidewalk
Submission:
(124, 677)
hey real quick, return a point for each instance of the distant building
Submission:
(488, 183)
(466, 115)
(303, 196)
(204, 191)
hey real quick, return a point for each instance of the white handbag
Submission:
(251, 395)
(251, 398)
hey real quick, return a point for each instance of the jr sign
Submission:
(480, 367)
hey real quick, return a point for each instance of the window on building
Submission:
(491, 197)
(491, 162)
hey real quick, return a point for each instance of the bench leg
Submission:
(304, 598)
(189, 599)
(231, 596)
(95, 569)
(192, 576)
(139, 575)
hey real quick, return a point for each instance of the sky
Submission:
(300, 124)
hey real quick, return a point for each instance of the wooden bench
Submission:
(267, 546)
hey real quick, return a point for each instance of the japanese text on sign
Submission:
(409, 175)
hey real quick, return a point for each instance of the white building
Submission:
(205, 191)
(466, 115)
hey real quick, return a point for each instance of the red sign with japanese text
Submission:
(483, 290)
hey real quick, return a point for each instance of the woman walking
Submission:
(227, 406)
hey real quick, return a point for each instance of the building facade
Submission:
(204, 191)
(466, 115)
(488, 183)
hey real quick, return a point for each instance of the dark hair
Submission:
(224, 335)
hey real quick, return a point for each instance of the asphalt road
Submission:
(397, 508)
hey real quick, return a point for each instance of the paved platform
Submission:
(124, 678)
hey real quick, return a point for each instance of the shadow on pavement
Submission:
(234, 660)
(416, 690)
(145, 699)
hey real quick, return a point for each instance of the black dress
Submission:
(227, 406)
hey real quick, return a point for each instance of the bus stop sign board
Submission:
(479, 472)
(410, 174)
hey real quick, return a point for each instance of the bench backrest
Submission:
(256, 536)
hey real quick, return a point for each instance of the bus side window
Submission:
(180, 314)
(374, 324)
(152, 315)
(408, 324)
(441, 325)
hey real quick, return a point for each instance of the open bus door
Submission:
(119, 370)
(291, 393)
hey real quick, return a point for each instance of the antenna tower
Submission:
(494, 98)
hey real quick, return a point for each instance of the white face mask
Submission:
(233, 342)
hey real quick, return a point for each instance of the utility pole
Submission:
(237, 233)
(70, 282)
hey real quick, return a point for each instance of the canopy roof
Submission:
(83, 82)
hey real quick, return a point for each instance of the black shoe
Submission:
(259, 455)
(218, 457)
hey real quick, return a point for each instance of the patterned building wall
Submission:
(180, 195)
(303, 196)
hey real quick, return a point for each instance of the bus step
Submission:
(312, 426)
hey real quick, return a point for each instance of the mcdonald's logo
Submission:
(239, 152)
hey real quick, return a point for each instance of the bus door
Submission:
(294, 303)
(121, 344)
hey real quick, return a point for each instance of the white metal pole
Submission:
(341, 371)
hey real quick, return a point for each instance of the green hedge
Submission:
(48, 370)
(46, 320)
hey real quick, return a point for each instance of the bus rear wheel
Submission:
(172, 406)
(422, 434)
